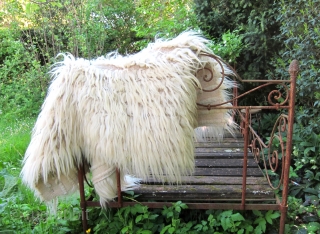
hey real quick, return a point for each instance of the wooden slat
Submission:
(222, 155)
(207, 192)
(220, 145)
(229, 135)
(223, 163)
(226, 172)
(217, 177)
(221, 141)
(218, 151)
(218, 180)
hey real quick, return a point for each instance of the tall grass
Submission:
(14, 138)
(20, 210)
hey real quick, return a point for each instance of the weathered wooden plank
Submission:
(226, 172)
(223, 140)
(214, 151)
(224, 163)
(229, 135)
(220, 145)
(221, 155)
(202, 192)
(215, 180)
(217, 177)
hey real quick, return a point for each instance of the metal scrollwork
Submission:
(256, 149)
(277, 95)
(205, 77)
(207, 74)
(272, 155)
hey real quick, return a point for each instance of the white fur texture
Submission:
(137, 113)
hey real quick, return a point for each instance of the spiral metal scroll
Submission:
(206, 70)
(276, 94)
(265, 153)
(207, 75)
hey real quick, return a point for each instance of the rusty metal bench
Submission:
(227, 174)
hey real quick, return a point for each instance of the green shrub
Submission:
(300, 33)
(22, 79)
(256, 23)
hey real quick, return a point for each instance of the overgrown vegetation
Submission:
(259, 38)
(277, 32)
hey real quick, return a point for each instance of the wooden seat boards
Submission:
(217, 177)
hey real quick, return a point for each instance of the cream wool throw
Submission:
(137, 113)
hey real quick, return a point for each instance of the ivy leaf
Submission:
(171, 230)
(313, 226)
(146, 232)
(270, 215)
(237, 217)
(138, 218)
(198, 227)
(140, 209)
(165, 229)
(224, 223)
(257, 213)
(125, 229)
(262, 224)
(154, 216)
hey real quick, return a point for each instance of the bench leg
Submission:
(83, 203)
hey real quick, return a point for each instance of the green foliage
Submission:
(176, 219)
(20, 211)
(300, 34)
(305, 216)
(22, 79)
(277, 32)
(83, 28)
(256, 22)
(163, 19)
(263, 219)
(14, 138)
(33, 33)
(230, 46)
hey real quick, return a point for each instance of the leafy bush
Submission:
(163, 20)
(277, 32)
(22, 79)
(33, 33)
(256, 23)
(176, 219)
(300, 34)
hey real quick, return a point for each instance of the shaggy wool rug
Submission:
(136, 113)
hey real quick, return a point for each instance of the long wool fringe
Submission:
(137, 113)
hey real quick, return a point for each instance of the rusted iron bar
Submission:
(293, 71)
(245, 160)
(83, 202)
(273, 94)
(266, 81)
(235, 94)
(242, 107)
(119, 187)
